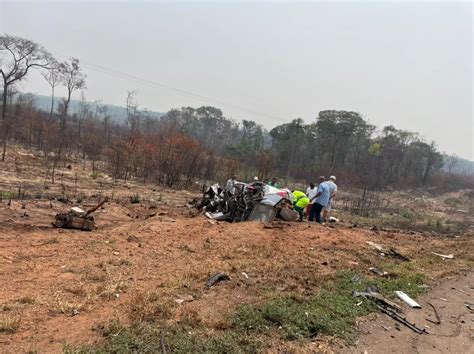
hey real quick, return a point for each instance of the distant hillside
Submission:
(458, 165)
(117, 113)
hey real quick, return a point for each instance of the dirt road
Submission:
(455, 334)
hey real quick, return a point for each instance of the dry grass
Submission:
(68, 307)
(26, 300)
(150, 306)
(9, 323)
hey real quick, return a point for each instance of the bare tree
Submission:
(73, 79)
(17, 56)
(451, 162)
(53, 78)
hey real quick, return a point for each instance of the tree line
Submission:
(188, 144)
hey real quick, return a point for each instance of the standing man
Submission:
(311, 193)
(230, 185)
(333, 191)
(320, 201)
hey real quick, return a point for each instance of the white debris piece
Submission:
(375, 245)
(445, 256)
(78, 211)
(408, 300)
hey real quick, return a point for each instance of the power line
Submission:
(124, 76)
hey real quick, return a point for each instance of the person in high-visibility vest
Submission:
(300, 201)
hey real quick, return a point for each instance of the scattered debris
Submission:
(274, 225)
(215, 278)
(444, 256)
(408, 300)
(378, 271)
(255, 201)
(333, 219)
(401, 320)
(245, 275)
(391, 252)
(375, 246)
(78, 211)
(132, 238)
(184, 298)
(460, 290)
(162, 339)
(389, 308)
(150, 215)
(262, 212)
(443, 299)
(288, 214)
(395, 254)
(378, 298)
(469, 306)
(77, 218)
(386, 328)
(355, 279)
(438, 320)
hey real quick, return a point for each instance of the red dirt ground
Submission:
(48, 274)
(61, 284)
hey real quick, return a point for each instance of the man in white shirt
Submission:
(311, 193)
(333, 190)
(230, 185)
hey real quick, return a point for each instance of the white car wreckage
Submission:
(254, 201)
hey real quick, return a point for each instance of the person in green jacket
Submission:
(300, 201)
(274, 183)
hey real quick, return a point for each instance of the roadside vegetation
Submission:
(251, 327)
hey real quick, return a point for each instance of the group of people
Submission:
(317, 201)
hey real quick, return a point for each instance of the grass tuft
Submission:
(9, 324)
(332, 311)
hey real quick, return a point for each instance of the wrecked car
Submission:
(254, 201)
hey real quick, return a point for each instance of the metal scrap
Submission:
(215, 278)
(469, 306)
(377, 297)
(395, 254)
(438, 319)
(408, 300)
(378, 271)
(77, 218)
(401, 319)
(254, 201)
(444, 256)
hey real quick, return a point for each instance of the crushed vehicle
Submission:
(254, 201)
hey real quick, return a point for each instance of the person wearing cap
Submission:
(333, 190)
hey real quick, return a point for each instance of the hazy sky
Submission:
(403, 63)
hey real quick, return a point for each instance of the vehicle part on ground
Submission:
(395, 254)
(77, 218)
(262, 213)
(408, 300)
(378, 298)
(444, 256)
(401, 319)
(438, 319)
(215, 278)
(220, 204)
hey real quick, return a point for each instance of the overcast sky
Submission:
(408, 64)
